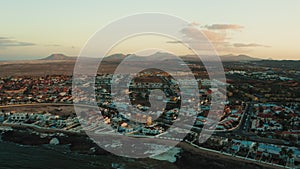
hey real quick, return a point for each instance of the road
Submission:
(246, 121)
(47, 104)
(243, 128)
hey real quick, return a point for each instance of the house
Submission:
(18, 117)
(150, 131)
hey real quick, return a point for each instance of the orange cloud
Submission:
(218, 35)
(223, 26)
(215, 36)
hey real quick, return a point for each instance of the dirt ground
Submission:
(41, 108)
(42, 68)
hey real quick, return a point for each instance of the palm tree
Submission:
(253, 150)
(283, 151)
(283, 154)
(290, 159)
(290, 153)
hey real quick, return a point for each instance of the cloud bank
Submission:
(219, 36)
(243, 45)
(11, 42)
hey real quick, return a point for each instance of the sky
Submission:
(34, 29)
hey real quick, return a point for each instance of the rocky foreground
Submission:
(188, 158)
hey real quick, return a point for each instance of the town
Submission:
(259, 122)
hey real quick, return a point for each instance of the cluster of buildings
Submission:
(230, 118)
(276, 121)
(57, 89)
(262, 75)
(279, 155)
(266, 85)
(25, 90)
(108, 120)
(41, 120)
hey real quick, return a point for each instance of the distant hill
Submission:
(59, 57)
(225, 58)
(237, 58)
(166, 56)
(115, 57)
(119, 57)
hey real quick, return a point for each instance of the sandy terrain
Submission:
(44, 67)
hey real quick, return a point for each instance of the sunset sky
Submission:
(265, 29)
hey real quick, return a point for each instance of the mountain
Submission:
(59, 57)
(238, 58)
(224, 58)
(166, 56)
(115, 57)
